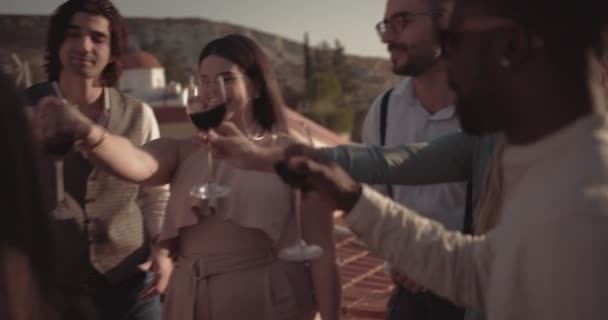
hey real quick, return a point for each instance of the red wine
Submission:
(290, 177)
(209, 119)
(60, 144)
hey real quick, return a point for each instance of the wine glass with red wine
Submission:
(300, 250)
(207, 110)
(57, 146)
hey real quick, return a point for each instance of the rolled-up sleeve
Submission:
(445, 159)
(450, 264)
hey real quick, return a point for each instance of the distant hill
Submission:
(177, 42)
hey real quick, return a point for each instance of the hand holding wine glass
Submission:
(207, 111)
(59, 125)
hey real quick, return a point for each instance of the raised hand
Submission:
(56, 118)
(229, 144)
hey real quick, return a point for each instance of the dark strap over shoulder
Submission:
(383, 115)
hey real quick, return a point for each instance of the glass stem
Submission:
(59, 181)
(211, 179)
(298, 209)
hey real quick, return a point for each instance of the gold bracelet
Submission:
(97, 143)
(82, 146)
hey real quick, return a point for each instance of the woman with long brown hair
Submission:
(227, 265)
(27, 290)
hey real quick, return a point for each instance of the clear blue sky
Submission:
(351, 21)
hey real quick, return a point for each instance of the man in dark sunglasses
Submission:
(521, 68)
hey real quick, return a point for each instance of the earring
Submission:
(505, 63)
(438, 53)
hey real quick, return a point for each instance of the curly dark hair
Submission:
(57, 31)
(246, 53)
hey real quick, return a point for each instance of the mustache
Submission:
(82, 56)
(398, 46)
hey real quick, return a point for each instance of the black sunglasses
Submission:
(451, 38)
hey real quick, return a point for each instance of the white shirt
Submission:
(546, 259)
(408, 121)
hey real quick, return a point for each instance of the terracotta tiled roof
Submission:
(140, 60)
(365, 287)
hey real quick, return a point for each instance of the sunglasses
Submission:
(452, 37)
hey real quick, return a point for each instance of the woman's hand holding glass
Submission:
(58, 125)
(57, 122)
(231, 145)
(208, 111)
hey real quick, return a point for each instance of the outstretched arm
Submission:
(448, 263)
(152, 164)
(445, 159)
(451, 264)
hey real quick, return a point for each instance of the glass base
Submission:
(301, 252)
(62, 213)
(209, 191)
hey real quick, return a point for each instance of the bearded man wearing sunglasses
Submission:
(521, 68)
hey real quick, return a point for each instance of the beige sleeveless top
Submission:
(256, 200)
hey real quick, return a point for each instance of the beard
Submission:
(421, 57)
(482, 113)
(87, 72)
(469, 110)
(475, 111)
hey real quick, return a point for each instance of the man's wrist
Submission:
(94, 138)
(350, 198)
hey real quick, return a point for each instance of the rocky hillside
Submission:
(177, 42)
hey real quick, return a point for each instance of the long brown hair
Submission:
(57, 31)
(246, 53)
(27, 289)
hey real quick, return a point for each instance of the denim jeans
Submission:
(119, 301)
(404, 305)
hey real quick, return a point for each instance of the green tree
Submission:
(174, 70)
(307, 59)
(325, 85)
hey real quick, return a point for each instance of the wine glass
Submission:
(300, 250)
(58, 147)
(207, 109)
